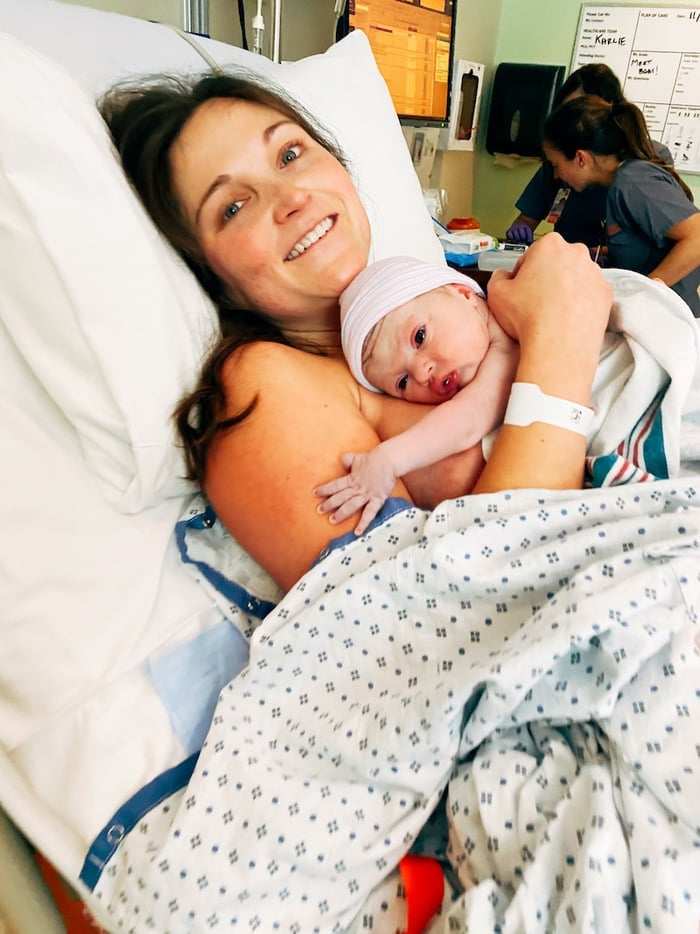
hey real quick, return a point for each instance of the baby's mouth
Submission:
(320, 230)
(446, 387)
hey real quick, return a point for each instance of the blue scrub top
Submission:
(644, 202)
(582, 219)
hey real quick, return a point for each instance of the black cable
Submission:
(241, 18)
(342, 23)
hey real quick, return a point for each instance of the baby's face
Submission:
(429, 348)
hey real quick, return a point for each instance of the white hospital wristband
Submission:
(528, 404)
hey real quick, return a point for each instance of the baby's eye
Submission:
(402, 383)
(290, 154)
(419, 336)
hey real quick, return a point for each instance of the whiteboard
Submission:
(655, 52)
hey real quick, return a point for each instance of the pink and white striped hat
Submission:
(377, 290)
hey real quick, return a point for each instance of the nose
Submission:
(288, 199)
(422, 370)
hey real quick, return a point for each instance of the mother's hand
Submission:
(555, 291)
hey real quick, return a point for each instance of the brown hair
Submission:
(145, 120)
(594, 78)
(605, 129)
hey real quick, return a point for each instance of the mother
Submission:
(324, 759)
(260, 204)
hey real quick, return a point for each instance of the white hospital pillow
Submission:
(107, 316)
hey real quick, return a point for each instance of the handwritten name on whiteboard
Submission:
(611, 40)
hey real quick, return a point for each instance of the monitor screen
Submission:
(413, 42)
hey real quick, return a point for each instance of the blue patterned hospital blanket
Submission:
(533, 655)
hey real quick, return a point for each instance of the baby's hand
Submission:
(366, 487)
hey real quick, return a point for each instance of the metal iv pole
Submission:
(276, 29)
(259, 26)
(195, 16)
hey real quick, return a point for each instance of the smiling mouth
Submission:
(313, 236)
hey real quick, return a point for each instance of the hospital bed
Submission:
(527, 771)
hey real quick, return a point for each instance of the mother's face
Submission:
(276, 215)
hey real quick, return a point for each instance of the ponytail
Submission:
(630, 121)
(604, 129)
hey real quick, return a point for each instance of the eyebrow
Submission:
(223, 179)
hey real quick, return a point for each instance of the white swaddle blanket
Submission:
(647, 367)
(646, 393)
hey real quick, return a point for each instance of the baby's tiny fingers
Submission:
(338, 485)
(335, 501)
(349, 508)
(370, 511)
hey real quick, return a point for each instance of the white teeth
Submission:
(311, 237)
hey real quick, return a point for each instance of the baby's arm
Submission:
(448, 428)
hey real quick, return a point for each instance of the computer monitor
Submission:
(413, 43)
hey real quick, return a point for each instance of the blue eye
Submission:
(231, 210)
(420, 336)
(289, 155)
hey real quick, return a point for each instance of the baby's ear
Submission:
(463, 289)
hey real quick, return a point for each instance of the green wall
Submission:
(542, 31)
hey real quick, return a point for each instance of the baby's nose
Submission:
(424, 371)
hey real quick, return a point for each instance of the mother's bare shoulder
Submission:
(268, 369)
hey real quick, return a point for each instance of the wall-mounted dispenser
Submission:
(521, 99)
(467, 81)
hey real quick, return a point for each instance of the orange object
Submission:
(463, 223)
(422, 879)
(424, 885)
(76, 917)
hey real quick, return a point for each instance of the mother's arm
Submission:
(556, 303)
(261, 473)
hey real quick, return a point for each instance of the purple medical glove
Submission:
(519, 233)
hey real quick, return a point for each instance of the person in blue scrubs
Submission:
(651, 223)
(577, 216)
